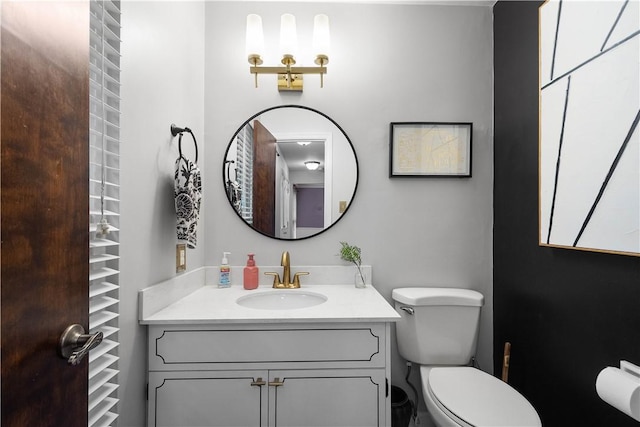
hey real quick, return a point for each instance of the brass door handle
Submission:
(276, 382)
(259, 382)
(75, 344)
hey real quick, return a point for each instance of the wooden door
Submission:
(44, 103)
(264, 180)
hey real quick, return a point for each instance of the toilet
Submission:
(438, 330)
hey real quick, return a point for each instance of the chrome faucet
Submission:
(286, 282)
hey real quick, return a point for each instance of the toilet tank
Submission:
(438, 326)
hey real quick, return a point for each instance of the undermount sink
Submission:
(281, 300)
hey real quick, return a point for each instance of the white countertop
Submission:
(210, 304)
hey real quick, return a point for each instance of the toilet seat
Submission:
(470, 397)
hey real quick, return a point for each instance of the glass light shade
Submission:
(288, 36)
(312, 165)
(255, 37)
(321, 39)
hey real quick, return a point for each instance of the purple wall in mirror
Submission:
(310, 204)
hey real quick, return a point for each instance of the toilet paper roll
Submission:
(621, 390)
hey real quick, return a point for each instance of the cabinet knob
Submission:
(259, 382)
(276, 382)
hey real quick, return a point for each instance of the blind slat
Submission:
(102, 258)
(104, 348)
(101, 364)
(101, 318)
(101, 409)
(102, 243)
(100, 379)
(100, 303)
(106, 420)
(101, 288)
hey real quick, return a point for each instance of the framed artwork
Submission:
(430, 149)
(589, 148)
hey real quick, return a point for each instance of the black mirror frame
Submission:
(245, 123)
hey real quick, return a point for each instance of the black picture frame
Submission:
(430, 149)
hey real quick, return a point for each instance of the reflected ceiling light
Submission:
(304, 143)
(312, 165)
(289, 77)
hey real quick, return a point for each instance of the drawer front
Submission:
(171, 349)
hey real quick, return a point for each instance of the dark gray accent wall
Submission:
(567, 313)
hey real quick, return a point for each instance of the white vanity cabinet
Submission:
(269, 375)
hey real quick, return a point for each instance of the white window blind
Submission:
(244, 170)
(104, 205)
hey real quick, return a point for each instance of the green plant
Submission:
(352, 254)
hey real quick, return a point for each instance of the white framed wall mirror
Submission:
(290, 172)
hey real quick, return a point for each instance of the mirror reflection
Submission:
(290, 172)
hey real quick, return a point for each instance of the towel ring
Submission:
(179, 131)
(175, 130)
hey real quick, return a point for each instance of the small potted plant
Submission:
(353, 254)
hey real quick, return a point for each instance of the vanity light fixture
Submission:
(289, 76)
(312, 165)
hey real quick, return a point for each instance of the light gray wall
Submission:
(388, 63)
(162, 83)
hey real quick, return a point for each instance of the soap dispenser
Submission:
(224, 280)
(251, 274)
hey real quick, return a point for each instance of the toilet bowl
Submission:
(438, 330)
(469, 397)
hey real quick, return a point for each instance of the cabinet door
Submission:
(207, 399)
(327, 398)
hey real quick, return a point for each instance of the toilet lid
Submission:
(480, 399)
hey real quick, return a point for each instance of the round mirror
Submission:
(290, 172)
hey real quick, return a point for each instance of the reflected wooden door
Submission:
(44, 60)
(264, 180)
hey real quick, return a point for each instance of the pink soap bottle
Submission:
(250, 274)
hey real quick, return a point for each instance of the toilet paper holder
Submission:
(620, 388)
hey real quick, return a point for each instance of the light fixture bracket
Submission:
(290, 82)
(289, 74)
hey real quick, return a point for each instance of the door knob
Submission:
(75, 344)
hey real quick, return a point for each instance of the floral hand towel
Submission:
(188, 195)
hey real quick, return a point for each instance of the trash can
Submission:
(401, 408)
